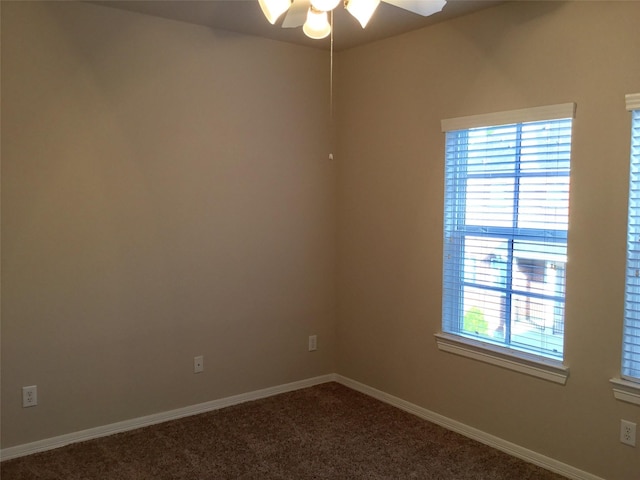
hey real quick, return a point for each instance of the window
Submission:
(631, 332)
(505, 229)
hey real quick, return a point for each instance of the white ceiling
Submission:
(245, 16)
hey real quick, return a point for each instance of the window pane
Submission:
(546, 146)
(538, 286)
(537, 324)
(483, 313)
(490, 202)
(491, 150)
(544, 203)
(541, 262)
(485, 261)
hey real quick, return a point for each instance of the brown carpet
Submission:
(324, 432)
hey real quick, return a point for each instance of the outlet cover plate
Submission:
(628, 433)
(30, 396)
(198, 364)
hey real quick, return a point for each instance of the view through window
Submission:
(505, 234)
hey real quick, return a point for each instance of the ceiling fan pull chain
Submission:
(331, 74)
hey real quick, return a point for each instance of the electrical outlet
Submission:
(313, 343)
(198, 364)
(628, 433)
(29, 396)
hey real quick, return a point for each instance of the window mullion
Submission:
(514, 224)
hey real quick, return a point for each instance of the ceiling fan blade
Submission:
(297, 14)
(421, 7)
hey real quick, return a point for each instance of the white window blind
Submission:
(631, 339)
(505, 227)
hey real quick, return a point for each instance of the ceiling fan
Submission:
(313, 14)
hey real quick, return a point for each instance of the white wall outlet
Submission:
(198, 364)
(628, 433)
(30, 396)
(313, 343)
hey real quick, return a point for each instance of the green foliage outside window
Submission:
(474, 322)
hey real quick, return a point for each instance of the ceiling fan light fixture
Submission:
(362, 10)
(272, 9)
(324, 5)
(317, 24)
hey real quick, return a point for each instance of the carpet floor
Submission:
(324, 432)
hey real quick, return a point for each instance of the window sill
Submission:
(547, 369)
(626, 391)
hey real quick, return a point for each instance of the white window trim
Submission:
(633, 101)
(534, 114)
(529, 364)
(626, 391)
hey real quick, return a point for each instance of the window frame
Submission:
(627, 387)
(541, 366)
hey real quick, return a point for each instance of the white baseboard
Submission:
(105, 430)
(470, 432)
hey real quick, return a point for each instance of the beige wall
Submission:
(391, 98)
(166, 193)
